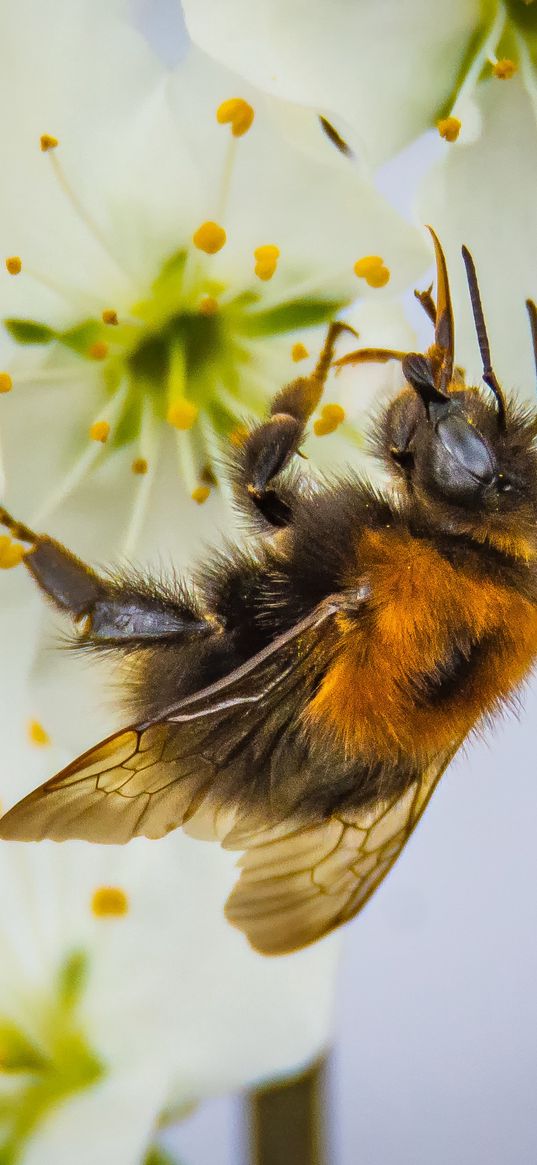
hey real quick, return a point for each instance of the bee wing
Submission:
(200, 760)
(296, 885)
(444, 327)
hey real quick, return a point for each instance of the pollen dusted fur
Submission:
(300, 700)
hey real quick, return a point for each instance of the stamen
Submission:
(14, 265)
(209, 237)
(449, 128)
(82, 213)
(150, 434)
(208, 306)
(37, 734)
(90, 454)
(109, 902)
(11, 553)
(504, 69)
(299, 352)
(237, 113)
(332, 416)
(109, 316)
(200, 494)
(99, 431)
(98, 350)
(48, 142)
(373, 269)
(139, 466)
(238, 436)
(6, 383)
(266, 260)
(182, 414)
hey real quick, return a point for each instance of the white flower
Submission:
(175, 1005)
(385, 71)
(483, 195)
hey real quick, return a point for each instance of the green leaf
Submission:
(29, 331)
(289, 317)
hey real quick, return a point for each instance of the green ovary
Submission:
(192, 348)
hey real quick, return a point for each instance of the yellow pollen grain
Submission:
(266, 260)
(299, 352)
(200, 494)
(182, 414)
(208, 306)
(139, 466)
(449, 128)
(98, 350)
(100, 431)
(11, 553)
(237, 113)
(14, 265)
(504, 69)
(238, 436)
(48, 142)
(109, 316)
(37, 734)
(373, 269)
(209, 237)
(6, 383)
(323, 426)
(333, 412)
(109, 902)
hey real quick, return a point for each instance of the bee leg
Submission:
(427, 302)
(269, 447)
(109, 612)
(369, 356)
(532, 313)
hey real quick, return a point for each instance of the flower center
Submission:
(189, 354)
(45, 1064)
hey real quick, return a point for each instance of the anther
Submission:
(109, 316)
(266, 260)
(100, 431)
(139, 466)
(6, 383)
(98, 350)
(299, 352)
(209, 237)
(14, 265)
(48, 142)
(208, 306)
(373, 269)
(109, 902)
(37, 734)
(11, 553)
(182, 414)
(449, 128)
(504, 69)
(200, 494)
(237, 113)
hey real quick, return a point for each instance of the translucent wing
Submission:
(297, 885)
(207, 758)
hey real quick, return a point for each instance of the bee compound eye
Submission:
(467, 447)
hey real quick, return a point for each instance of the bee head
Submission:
(468, 459)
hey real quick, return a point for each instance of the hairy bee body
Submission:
(302, 698)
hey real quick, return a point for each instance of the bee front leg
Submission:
(109, 612)
(269, 447)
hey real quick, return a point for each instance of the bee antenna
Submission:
(489, 376)
(532, 312)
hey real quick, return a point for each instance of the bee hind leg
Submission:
(269, 447)
(109, 612)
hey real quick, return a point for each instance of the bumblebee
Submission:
(301, 698)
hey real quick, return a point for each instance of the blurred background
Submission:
(435, 1025)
